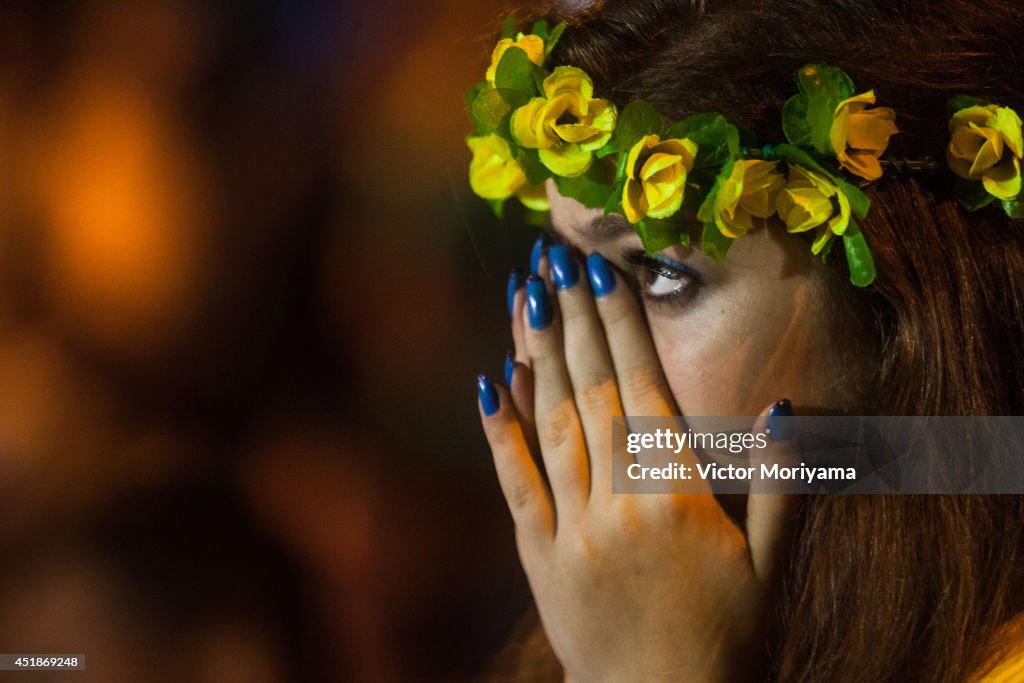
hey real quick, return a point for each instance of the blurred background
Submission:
(244, 293)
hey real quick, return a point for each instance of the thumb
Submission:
(769, 513)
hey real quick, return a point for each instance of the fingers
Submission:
(516, 299)
(642, 384)
(588, 361)
(559, 432)
(528, 497)
(769, 522)
(519, 380)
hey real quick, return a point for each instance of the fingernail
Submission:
(537, 252)
(602, 279)
(781, 425)
(537, 304)
(510, 367)
(488, 395)
(563, 265)
(515, 281)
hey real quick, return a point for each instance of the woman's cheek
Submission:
(735, 360)
(703, 373)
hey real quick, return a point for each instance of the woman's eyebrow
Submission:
(602, 228)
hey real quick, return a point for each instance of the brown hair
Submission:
(879, 588)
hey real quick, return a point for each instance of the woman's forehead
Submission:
(575, 223)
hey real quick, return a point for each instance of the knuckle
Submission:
(671, 508)
(557, 429)
(582, 551)
(594, 394)
(639, 380)
(520, 496)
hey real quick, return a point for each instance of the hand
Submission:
(629, 587)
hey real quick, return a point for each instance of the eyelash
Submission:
(647, 265)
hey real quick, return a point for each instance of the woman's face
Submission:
(732, 337)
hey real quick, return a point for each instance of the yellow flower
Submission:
(860, 135)
(656, 177)
(811, 200)
(566, 125)
(493, 173)
(532, 45)
(751, 191)
(986, 145)
(534, 197)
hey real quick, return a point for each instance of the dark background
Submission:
(244, 293)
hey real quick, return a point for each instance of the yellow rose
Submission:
(533, 46)
(534, 197)
(566, 125)
(860, 135)
(656, 177)
(810, 200)
(986, 145)
(493, 173)
(751, 191)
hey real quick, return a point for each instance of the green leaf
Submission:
(620, 170)
(488, 110)
(1014, 208)
(590, 189)
(697, 188)
(717, 139)
(961, 102)
(540, 29)
(553, 38)
(827, 249)
(534, 218)
(509, 27)
(497, 206)
(614, 199)
(606, 151)
(858, 256)
(706, 212)
(701, 128)
(473, 91)
(658, 234)
(714, 243)
(971, 193)
(504, 131)
(807, 118)
(802, 158)
(515, 73)
(794, 121)
(536, 172)
(820, 112)
(859, 202)
(816, 80)
(635, 121)
(539, 76)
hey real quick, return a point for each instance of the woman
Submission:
(818, 588)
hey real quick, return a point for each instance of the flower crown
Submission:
(532, 124)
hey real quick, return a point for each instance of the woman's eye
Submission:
(663, 279)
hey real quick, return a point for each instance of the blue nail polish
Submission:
(538, 307)
(510, 367)
(537, 252)
(563, 265)
(602, 279)
(488, 395)
(515, 281)
(781, 425)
